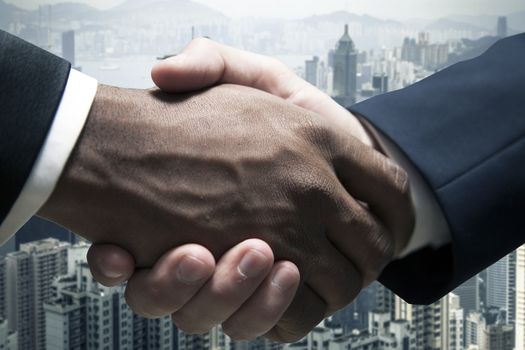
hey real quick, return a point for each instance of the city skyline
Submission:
(485, 309)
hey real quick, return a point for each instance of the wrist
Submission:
(78, 175)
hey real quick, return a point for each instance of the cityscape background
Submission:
(48, 298)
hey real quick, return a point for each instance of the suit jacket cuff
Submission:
(61, 139)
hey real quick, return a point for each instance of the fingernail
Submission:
(104, 266)
(283, 278)
(252, 263)
(191, 270)
(110, 273)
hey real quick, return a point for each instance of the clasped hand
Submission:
(262, 206)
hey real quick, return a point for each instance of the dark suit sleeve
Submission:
(464, 129)
(31, 85)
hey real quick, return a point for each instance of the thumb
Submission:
(199, 66)
(204, 63)
(110, 264)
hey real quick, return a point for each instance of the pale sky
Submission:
(394, 9)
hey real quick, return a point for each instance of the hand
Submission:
(186, 283)
(144, 182)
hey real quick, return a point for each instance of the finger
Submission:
(376, 180)
(237, 275)
(265, 307)
(110, 265)
(204, 63)
(306, 311)
(359, 235)
(335, 279)
(176, 278)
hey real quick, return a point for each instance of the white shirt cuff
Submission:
(69, 121)
(431, 227)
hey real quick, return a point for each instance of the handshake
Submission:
(237, 194)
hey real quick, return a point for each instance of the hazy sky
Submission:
(395, 9)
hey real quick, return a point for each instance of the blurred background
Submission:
(48, 299)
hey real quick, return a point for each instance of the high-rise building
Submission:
(409, 50)
(68, 46)
(511, 312)
(475, 326)
(497, 284)
(85, 315)
(386, 301)
(501, 30)
(500, 282)
(29, 275)
(345, 71)
(430, 322)
(456, 323)
(468, 294)
(499, 337)
(311, 72)
(380, 83)
(214, 339)
(520, 299)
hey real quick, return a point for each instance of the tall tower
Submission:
(29, 275)
(431, 322)
(502, 27)
(345, 70)
(468, 294)
(456, 321)
(520, 299)
(498, 284)
(501, 286)
(85, 315)
(68, 46)
(311, 74)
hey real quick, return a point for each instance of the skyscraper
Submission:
(85, 315)
(312, 71)
(345, 71)
(501, 30)
(475, 325)
(520, 299)
(468, 294)
(29, 274)
(511, 312)
(499, 337)
(497, 284)
(68, 46)
(456, 323)
(380, 83)
(430, 322)
(501, 280)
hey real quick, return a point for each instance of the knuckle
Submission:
(382, 250)
(277, 64)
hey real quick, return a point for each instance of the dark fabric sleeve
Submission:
(31, 85)
(464, 129)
